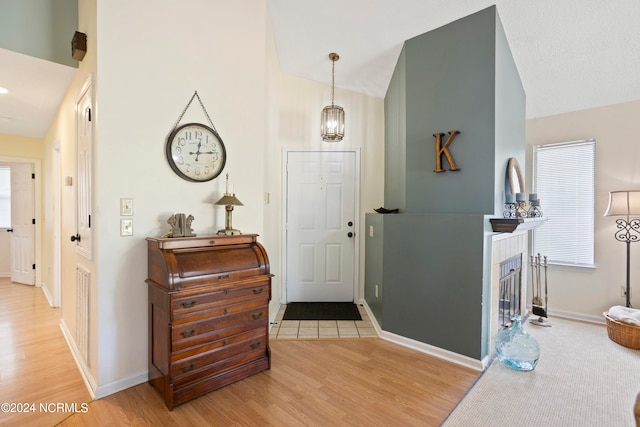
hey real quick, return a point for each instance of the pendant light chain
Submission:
(333, 79)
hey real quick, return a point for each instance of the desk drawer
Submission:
(213, 362)
(184, 304)
(205, 384)
(251, 315)
(211, 337)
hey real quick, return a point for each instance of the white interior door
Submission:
(321, 226)
(23, 224)
(84, 196)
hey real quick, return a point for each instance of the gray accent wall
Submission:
(450, 86)
(395, 136)
(40, 28)
(430, 262)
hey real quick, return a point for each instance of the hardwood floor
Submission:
(364, 381)
(37, 370)
(319, 382)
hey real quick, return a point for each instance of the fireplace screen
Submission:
(510, 287)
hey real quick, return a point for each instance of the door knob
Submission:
(349, 234)
(75, 238)
(350, 224)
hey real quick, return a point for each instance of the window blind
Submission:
(564, 179)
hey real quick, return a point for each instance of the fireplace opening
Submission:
(509, 291)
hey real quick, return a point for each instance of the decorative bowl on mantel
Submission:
(509, 225)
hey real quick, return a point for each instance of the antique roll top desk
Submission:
(208, 313)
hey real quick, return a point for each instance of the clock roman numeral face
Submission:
(195, 152)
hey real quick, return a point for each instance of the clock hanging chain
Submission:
(195, 95)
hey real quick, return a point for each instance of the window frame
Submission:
(6, 168)
(583, 216)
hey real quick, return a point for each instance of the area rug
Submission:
(582, 379)
(321, 311)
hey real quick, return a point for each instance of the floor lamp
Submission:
(625, 203)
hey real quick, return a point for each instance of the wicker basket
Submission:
(623, 333)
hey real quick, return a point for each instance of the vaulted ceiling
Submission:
(571, 54)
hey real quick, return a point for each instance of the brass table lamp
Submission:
(229, 200)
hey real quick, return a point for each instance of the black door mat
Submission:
(321, 311)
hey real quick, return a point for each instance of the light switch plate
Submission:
(126, 227)
(126, 207)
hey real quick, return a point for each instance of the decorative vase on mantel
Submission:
(515, 348)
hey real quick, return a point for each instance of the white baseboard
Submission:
(459, 359)
(102, 390)
(581, 317)
(89, 381)
(440, 353)
(47, 295)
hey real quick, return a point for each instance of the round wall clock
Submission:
(196, 152)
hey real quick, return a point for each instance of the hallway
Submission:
(40, 384)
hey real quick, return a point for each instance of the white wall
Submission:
(146, 73)
(301, 102)
(149, 66)
(589, 292)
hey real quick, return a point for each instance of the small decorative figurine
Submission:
(180, 225)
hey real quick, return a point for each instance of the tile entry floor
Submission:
(305, 329)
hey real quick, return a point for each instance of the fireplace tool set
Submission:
(538, 307)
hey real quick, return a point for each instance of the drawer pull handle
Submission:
(188, 304)
(187, 332)
(256, 315)
(224, 311)
(226, 291)
(187, 368)
(224, 342)
(255, 344)
(258, 291)
(224, 276)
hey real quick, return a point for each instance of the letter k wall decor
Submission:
(457, 89)
(443, 150)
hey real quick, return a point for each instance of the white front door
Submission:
(321, 226)
(23, 224)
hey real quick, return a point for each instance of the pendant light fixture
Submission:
(332, 119)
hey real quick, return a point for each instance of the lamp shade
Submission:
(623, 203)
(332, 123)
(229, 200)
